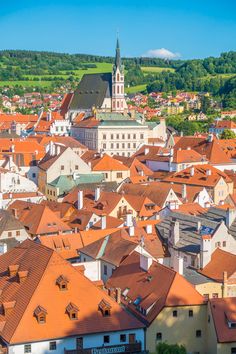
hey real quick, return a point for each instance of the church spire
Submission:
(117, 59)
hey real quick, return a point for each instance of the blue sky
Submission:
(169, 28)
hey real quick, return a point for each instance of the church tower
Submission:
(118, 83)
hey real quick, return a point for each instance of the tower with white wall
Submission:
(118, 84)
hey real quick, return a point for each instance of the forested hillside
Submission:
(29, 68)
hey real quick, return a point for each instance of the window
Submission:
(134, 145)
(215, 295)
(27, 348)
(123, 136)
(128, 136)
(9, 234)
(62, 167)
(117, 146)
(104, 136)
(76, 167)
(128, 145)
(17, 233)
(104, 146)
(159, 336)
(134, 136)
(233, 350)
(206, 297)
(112, 136)
(224, 243)
(175, 313)
(106, 175)
(42, 319)
(52, 345)
(106, 339)
(33, 175)
(119, 175)
(123, 338)
(141, 136)
(123, 145)
(198, 333)
(112, 145)
(118, 104)
(105, 270)
(190, 313)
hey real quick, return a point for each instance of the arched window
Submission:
(118, 104)
(122, 89)
(118, 77)
(114, 90)
(118, 89)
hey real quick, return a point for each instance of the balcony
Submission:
(113, 349)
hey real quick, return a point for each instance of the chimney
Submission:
(192, 171)
(103, 222)
(225, 284)
(13, 269)
(118, 295)
(145, 262)
(175, 232)
(184, 191)
(129, 219)
(199, 224)
(80, 200)
(97, 193)
(146, 151)
(58, 149)
(51, 148)
(230, 216)
(131, 231)
(208, 172)
(22, 276)
(178, 264)
(205, 250)
(149, 229)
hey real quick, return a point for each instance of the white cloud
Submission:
(161, 53)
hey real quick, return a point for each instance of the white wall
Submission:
(90, 341)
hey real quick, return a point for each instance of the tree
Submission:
(228, 134)
(164, 348)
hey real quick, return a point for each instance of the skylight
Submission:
(137, 301)
(125, 292)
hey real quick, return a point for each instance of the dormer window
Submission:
(62, 282)
(72, 311)
(105, 308)
(231, 319)
(40, 314)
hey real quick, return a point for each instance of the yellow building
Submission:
(173, 311)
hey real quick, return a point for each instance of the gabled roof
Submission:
(38, 218)
(40, 288)
(221, 309)
(154, 289)
(211, 149)
(8, 222)
(92, 90)
(187, 156)
(107, 163)
(221, 261)
(200, 176)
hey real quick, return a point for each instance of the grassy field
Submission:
(25, 83)
(134, 89)
(155, 69)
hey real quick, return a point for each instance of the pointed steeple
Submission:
(117, 58)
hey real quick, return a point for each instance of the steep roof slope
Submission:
(40, 289)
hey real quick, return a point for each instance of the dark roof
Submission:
(8, 222)
(92, 90)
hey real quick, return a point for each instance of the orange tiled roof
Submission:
(221, 261)
(162, 287)
(200, 177)
(40, 288)
(221, 309)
